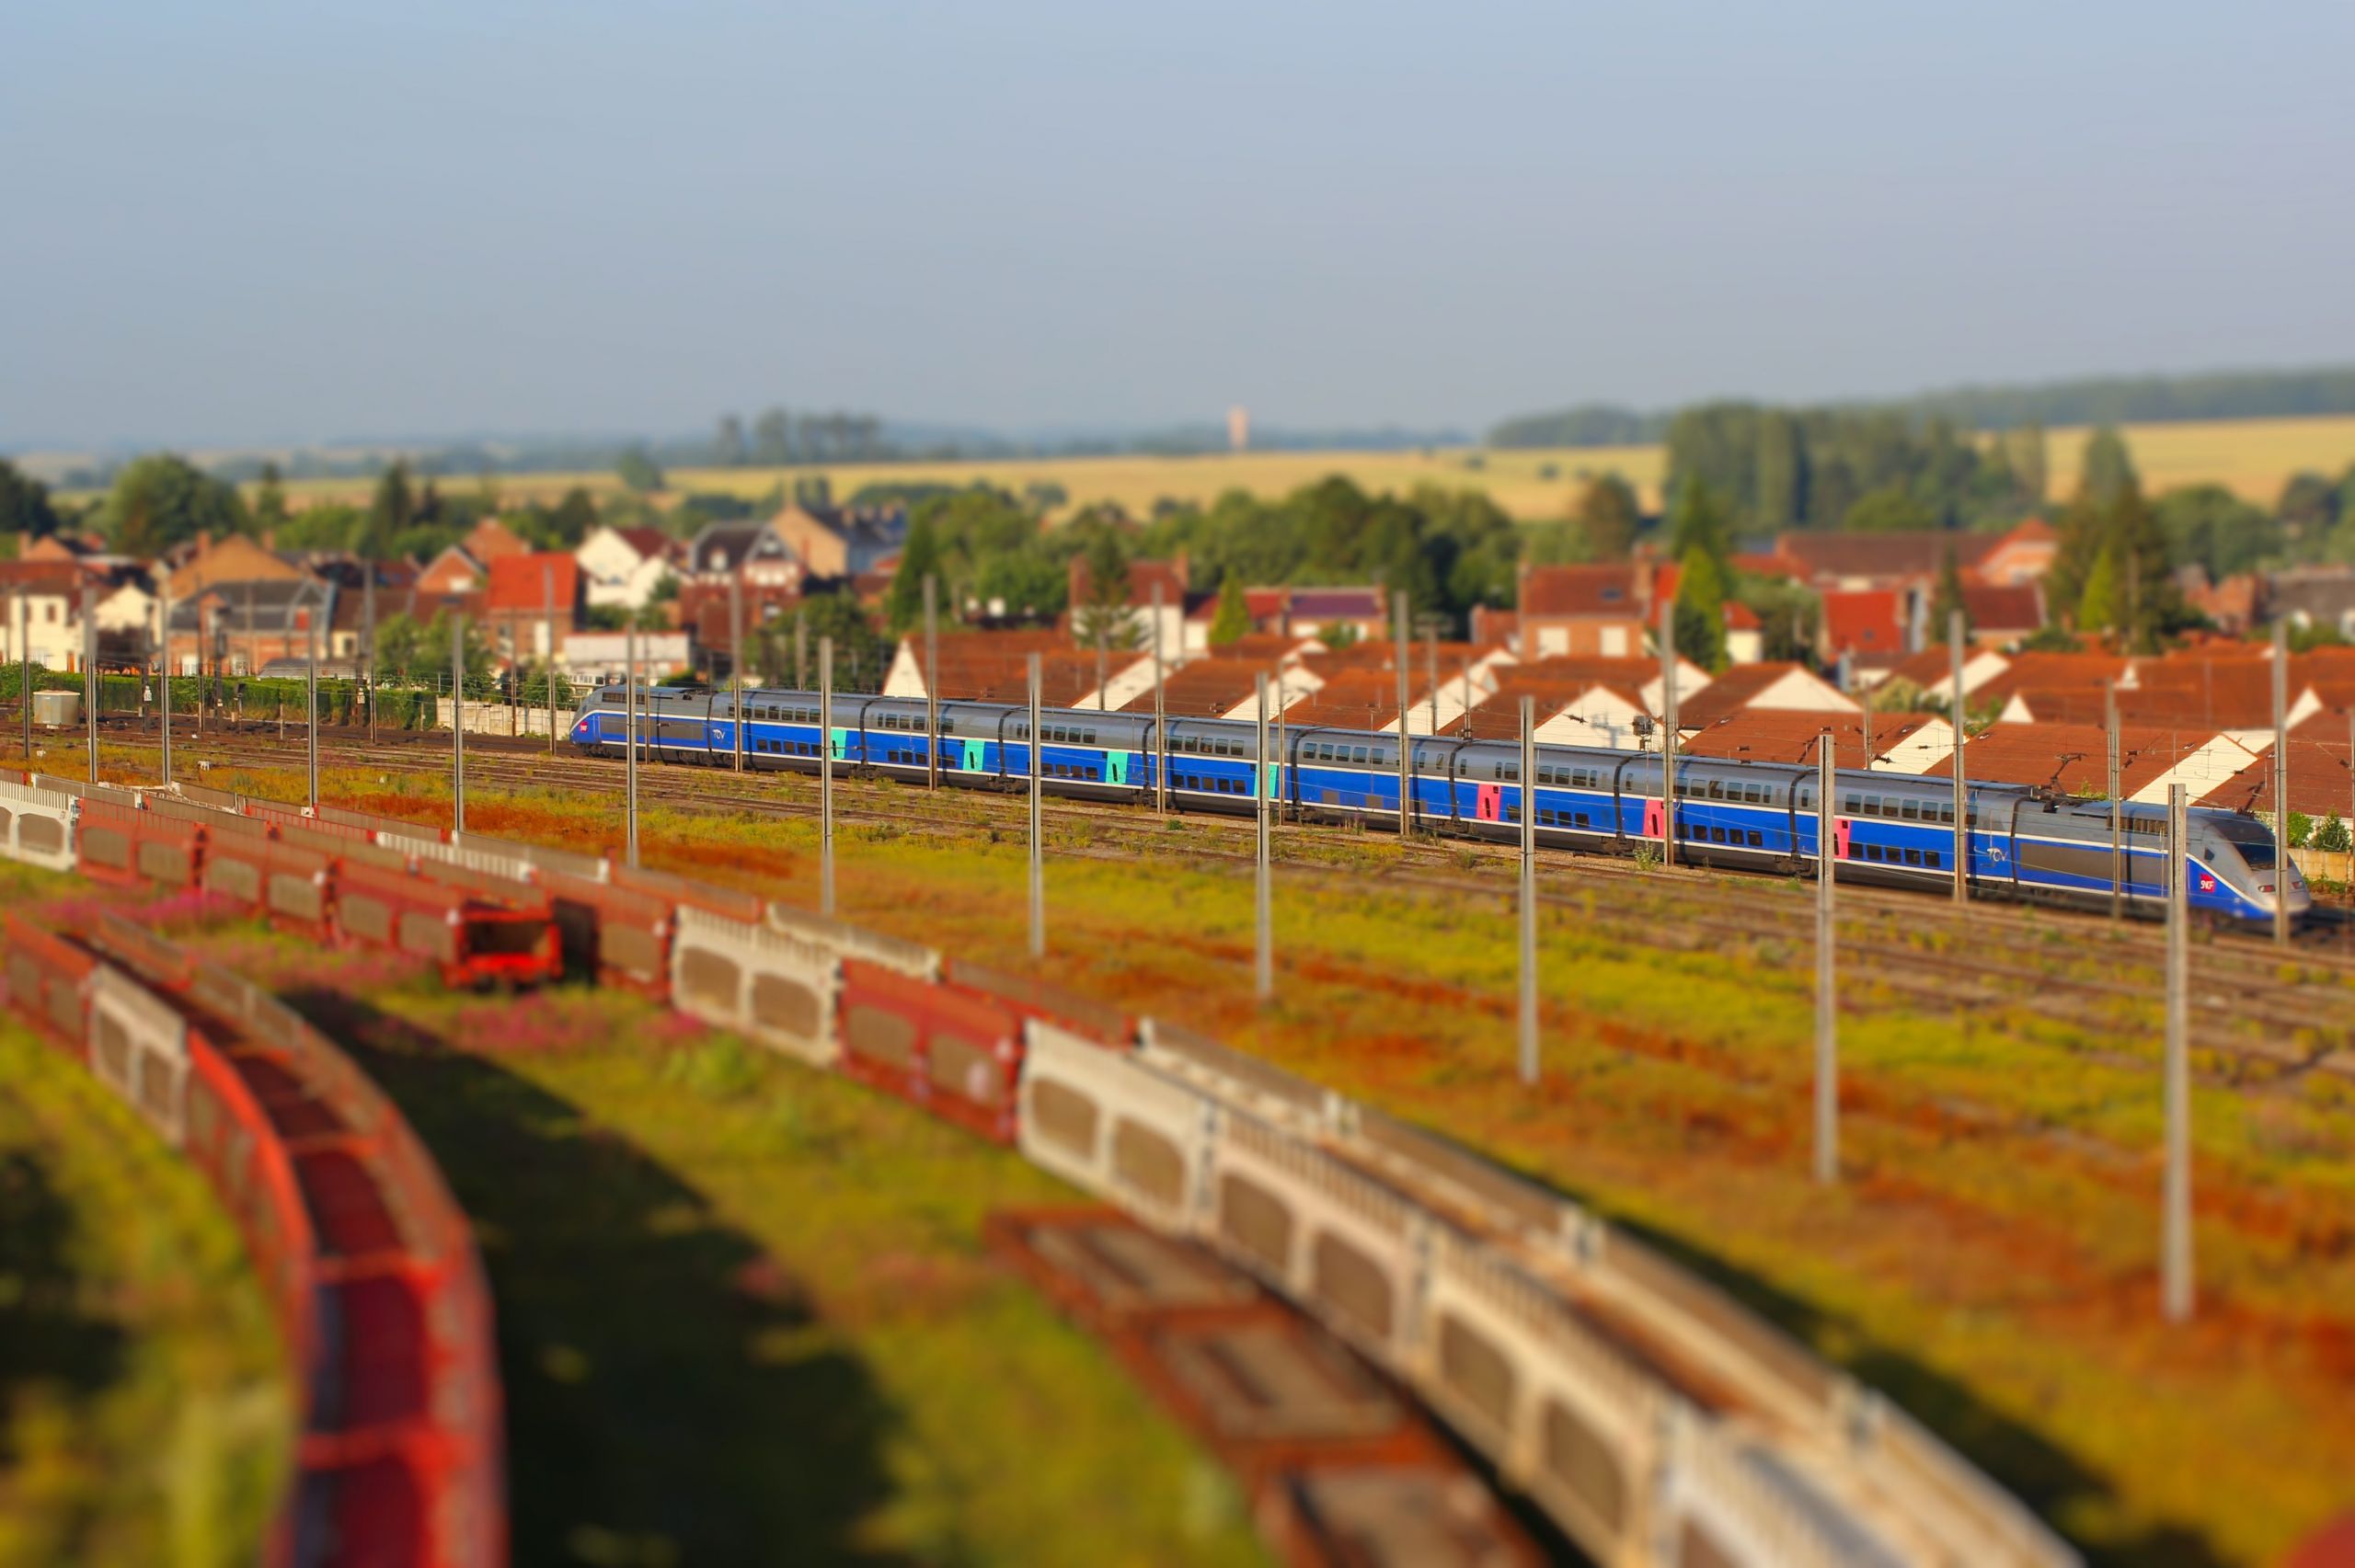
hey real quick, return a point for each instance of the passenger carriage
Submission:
(1893, 829)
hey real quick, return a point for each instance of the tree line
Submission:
(2093, 400)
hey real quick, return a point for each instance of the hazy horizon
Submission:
(278, 226)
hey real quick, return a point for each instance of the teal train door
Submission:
(1115, 767)
(974, 756)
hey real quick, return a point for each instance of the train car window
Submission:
(1357, 754)
(1848, 806)
(1581, 818)
(1756, 838)
(1913, 857)
(1930, 859)
(1909, 809)
(1508, 772)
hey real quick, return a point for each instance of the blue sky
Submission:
(250, 222)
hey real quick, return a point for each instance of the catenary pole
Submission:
(736, 664)
(1827, 1000)
(2281, 783)
(1961, 735)
(801, 650)
(2176, 1284)
(2118, 844)
(1038, 847)
(1263, 785)
(1400, 651)
(1430, 673)
(1160, 717)
(25, 673)
(1528, 889)
(629, 742)
(311, 696)
(547, 615)
(1667, 734)
(90, 677)
(164, 671)
(368, 637)
(826, 776)
(931, 680)
(458, 722)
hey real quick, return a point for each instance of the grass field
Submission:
(2254, 457)
(1989, 1260)
(743, 1310)
(143, 1412)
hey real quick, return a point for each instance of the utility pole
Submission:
(1961, 801)
(458, 724)
(208, 629)
(90, 677)
(1263, 784)
(547, 605)
(24, 674)
(368, 637)
(2118, 846)
(931, 680)
(801, 650)
(736, 662)
(164, 662)
(2175, 1265)
(2280, 786)
(1400, 649)
(311, 693)
(1038, 849)
(1867, 700)
(629, 740)
(1162, 724)
(826, 776)
(1529, 889)
(1827, 1002)
(1668, 735)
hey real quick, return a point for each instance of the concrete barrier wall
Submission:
(39, 828)
(770, 986)
(498, 718)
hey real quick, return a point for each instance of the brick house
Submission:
(526, 595)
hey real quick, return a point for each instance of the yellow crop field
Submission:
(2252, 457)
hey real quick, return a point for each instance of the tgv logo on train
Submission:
(1891, 829)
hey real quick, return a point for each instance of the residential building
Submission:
(1584, 611)
(1776, 685)
(43, 600)
(197, 564)
(236, 629)
(622, 566)
(2311, 597)
(1883, 742)
(1144, 577)
(491, 539)
(839, 543)
(531, 601)
(457, 570)
(753, 553)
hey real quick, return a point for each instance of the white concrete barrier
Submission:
(40, 826)
(774, 988)
(139, 1049)
(1102, 1119)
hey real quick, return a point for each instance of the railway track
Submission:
(2259, 1011)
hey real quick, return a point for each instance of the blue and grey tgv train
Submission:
(1891, 829)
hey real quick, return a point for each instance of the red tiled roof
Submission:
(1609, 592)
(1498, 718)
(648, 542)
(2001, 607)
(1897, 554)
(526, 582)
(2074, 757)
(1202, 688)
(1738, 689)
(1787, 735)
(1865, 621)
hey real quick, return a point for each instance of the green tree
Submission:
(728, 450)
(862, 653)
(1028, 586)
(920, 556)
(391, 513)
(2098, 605)
(2209, 524)
(1782, 472)
(163, 500)
(1043, 496)
(1701, 609)
(1231, 622)
(2332, 836)
(2106, 472)
(1606, 518)
(1699, 522)
(638, 470)
(1890, 510)
(773, 438)
(269, 498)
(1103, 618)
(1949, 597)
(25, 507)
(573, 518)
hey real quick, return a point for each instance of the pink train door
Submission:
(1840, 838)
(1655, 819)
(1491, 806)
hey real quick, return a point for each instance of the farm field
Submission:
(743, 1310)
(1989, 1261)
(143, 1395)
(2252, 457)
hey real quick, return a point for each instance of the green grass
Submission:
(743, 1311)
(143, 1407)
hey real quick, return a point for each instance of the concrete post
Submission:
(1037, 844)
(2281, 783)
(1262, 786)
(1827, 1000)
(1399, 650)
(90, 677)
(2117, 807)
(311, 695)
(458, 725)
(826, 776)
(1667, 734)
(736, 666)
(1528, 889)
(1962, 800)
(548, 602)
(931, 680)
(2175, 1266)
(164, 662)
(629, 740)
(1160, 716)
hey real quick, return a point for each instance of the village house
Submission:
(531, 600)
(838, 543)
(622, 566)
